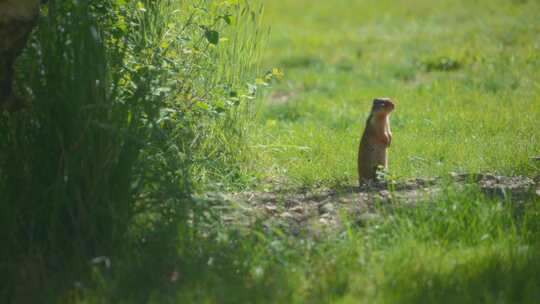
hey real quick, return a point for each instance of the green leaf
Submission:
(260, 81)
(277, 73)
(140, 6)
(227, 19)
(202, 105)
(220, 104)
(121, 24)
(212, 36)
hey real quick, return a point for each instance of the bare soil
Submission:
(296, 211)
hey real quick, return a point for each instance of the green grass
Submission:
(123, 100)
(464, 76)
(460, 248)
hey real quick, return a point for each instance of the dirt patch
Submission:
(301, 210)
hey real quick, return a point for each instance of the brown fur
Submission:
(372, 152)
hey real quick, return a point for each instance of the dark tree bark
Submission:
(17, 20)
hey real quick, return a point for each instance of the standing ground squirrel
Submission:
(375, 140)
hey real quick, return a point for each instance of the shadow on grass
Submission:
(498, 277)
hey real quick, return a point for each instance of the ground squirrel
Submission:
(375, 140)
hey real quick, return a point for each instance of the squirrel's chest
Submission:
(378, 135)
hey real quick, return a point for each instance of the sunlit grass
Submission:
(464, 77)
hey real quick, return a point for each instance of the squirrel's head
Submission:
(382, 106)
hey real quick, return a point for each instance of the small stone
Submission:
(270, 208)
(324, 221)
(286, 215)
(327, 208)
(385, 193)
(326, 216)
(297, 209)
(174, 276)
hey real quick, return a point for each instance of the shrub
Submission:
(124, 99)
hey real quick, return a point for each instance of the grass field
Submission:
(461, 248)
(464, 75)
(465, 78)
